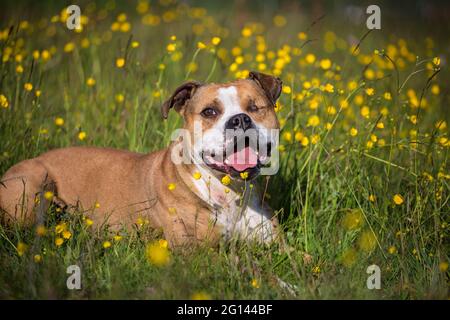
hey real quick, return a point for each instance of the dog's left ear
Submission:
(270, 84)
(180, 97)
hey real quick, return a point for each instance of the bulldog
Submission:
(197, 189)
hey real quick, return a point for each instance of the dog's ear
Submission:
(270, 84)
(180, 97)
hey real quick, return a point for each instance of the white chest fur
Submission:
(237, 215)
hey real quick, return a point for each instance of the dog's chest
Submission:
(235, 214)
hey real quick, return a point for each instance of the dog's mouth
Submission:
(238, 158)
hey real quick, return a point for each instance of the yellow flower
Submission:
(369, 74)
(163, 243)
(310, 58)
(316, 270)
(246, 32)
(279, 21)
(387, 96)
(197, 175)
(125, 27)
(365, 111)
(66, 234)
(41, 230)
(117, 237)
(392, 250)
(305, 141)
(96, 205)
(48, 195)
(37, 258)
(119, 98)
(287, 89)
(367, 241)
(135, 44)
(38, 93)
(90, 82)
(255, 283)
(372, 198)
(201, 295)
(287, 136)
(370, 91)
(298, 136)
(380, 125)
(349, 257)
(435, 89)
(122, 17)
(244, 175)
(315, 138)
(325, 64)
(89, 222)
(171, 186)
(21, 248)
(69, 47)
(59, 241)
(59, 121)
(226, 180)
(28, 86)
(106, 244)
(82, 135)
(353, 219)
(45, 55)
(353, 132)
(171, 47)
(302, 36)
(443, 266)
(398, 199)
(3, 101)
(313, 121)
(436, 61)
(157, 255)
(19, 69)
(60, 227)
(216, 41)
(328, 88)
(201, 45)
(120, 62)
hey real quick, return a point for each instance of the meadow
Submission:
(364, 146)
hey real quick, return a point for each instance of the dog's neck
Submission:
(236, 206)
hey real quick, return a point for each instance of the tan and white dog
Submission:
(189, 201)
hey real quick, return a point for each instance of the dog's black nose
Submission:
(239, 121)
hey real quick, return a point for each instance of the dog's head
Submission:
(236, 121)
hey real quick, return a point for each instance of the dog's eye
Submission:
(252, 107)
(209, 113)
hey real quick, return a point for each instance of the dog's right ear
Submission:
(180, 97)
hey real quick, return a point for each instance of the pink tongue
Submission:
(243, 159)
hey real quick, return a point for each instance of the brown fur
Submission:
(128, 185)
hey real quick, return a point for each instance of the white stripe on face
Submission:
(228, 97)
(213, 138)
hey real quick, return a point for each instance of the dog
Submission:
(190, 202)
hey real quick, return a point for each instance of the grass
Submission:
(346, 199)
